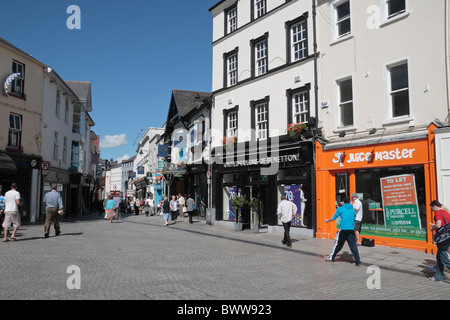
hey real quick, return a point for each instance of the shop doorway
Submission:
(342, 187)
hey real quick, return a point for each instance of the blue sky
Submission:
(135, 53)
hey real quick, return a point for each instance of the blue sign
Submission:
(163, 150)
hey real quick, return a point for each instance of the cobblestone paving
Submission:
(138, 258)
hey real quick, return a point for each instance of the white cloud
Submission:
(113, 141)
(125, 157)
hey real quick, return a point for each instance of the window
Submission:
(231, 68)
(15, 131)
(342, 16)
(17, 84)
(75, 156)
(399, 92)
(297, 39)
(231, 19)
(345, 97)
(298, 104)
(58, 103)
(395, 7)
(55, 146)
(231, 122)
(66, 111)
(260, 55)
(261, 113)
(260, 8)
(65, 150)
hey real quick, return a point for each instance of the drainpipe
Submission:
(447, 54)
(316, 107)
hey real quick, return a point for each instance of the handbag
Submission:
(443, 234)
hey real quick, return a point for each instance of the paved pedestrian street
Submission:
(138, 258)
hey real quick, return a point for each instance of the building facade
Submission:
(263, 84)
(381, 98)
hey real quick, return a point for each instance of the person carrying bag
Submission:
(441, 238)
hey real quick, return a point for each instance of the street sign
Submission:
(45, 165)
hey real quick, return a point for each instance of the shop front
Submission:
(246, 176)
(395, 181)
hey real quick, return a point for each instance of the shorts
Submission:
(357, 226)
(12, 217)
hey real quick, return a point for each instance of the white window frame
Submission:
(58, 103)
(300, 107)
(232, 120)
(340, 104)
(65, 150)
(262, 120)
(387, 19)
(260, 8)
(390, 119)
(15, 131)
(232, 68)
(231, 20)
(18, 80)
(299, 38)
(336, 37)
(261, 57)
(66, 110)
(55, 146)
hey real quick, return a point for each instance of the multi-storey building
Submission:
(384, 88)
(263, 82)
(20, 129)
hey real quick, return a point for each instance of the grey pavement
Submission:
(138, 258)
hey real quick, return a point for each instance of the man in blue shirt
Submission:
(346, 232)
(53, 202)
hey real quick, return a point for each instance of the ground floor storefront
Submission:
(395, 181)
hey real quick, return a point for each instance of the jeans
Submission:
(287, 237)
(442, 260)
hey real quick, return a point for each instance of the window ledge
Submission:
(399, 120)
(341, 39)
(394, 18)
(346, 129)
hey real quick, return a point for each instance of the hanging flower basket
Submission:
(295, 130)
(226, 141)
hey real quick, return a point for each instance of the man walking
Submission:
(53, 202)
(286, 212)
(358, 207)
(346, 232)
(12, 215)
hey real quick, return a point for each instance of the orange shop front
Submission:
(395, 182)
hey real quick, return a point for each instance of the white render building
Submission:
(263, 81)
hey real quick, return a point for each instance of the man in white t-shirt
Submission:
(358, 206)
(285, 211)
(12, 215)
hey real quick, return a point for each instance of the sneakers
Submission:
(356, 264)
(328, 259)
(433, 278)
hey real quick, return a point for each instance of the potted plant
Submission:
(257, 207)
(228, 141)
(295, 130)
(238, 203)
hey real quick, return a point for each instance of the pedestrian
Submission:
(2, 211)
(190, 208)
(117, 205)
(285, 212)
(441, 217)
(136, 206)
(174, 209)
(147, 207)
(181, 202)
(12, 215)
(53, 203)
(358, 207)
(347, 216)
(166, 210)
(110, 208)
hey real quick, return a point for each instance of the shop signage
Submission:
(400, 209)
(395, 154)
(294, 194)
(262, 161)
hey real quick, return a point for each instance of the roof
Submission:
(185, 102)
(81, 88)
(20, 51)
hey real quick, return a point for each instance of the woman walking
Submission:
(441, 217)
(110, 208)
(166, 210)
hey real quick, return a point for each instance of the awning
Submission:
(6, 163)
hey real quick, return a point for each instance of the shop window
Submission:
(393, 202)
